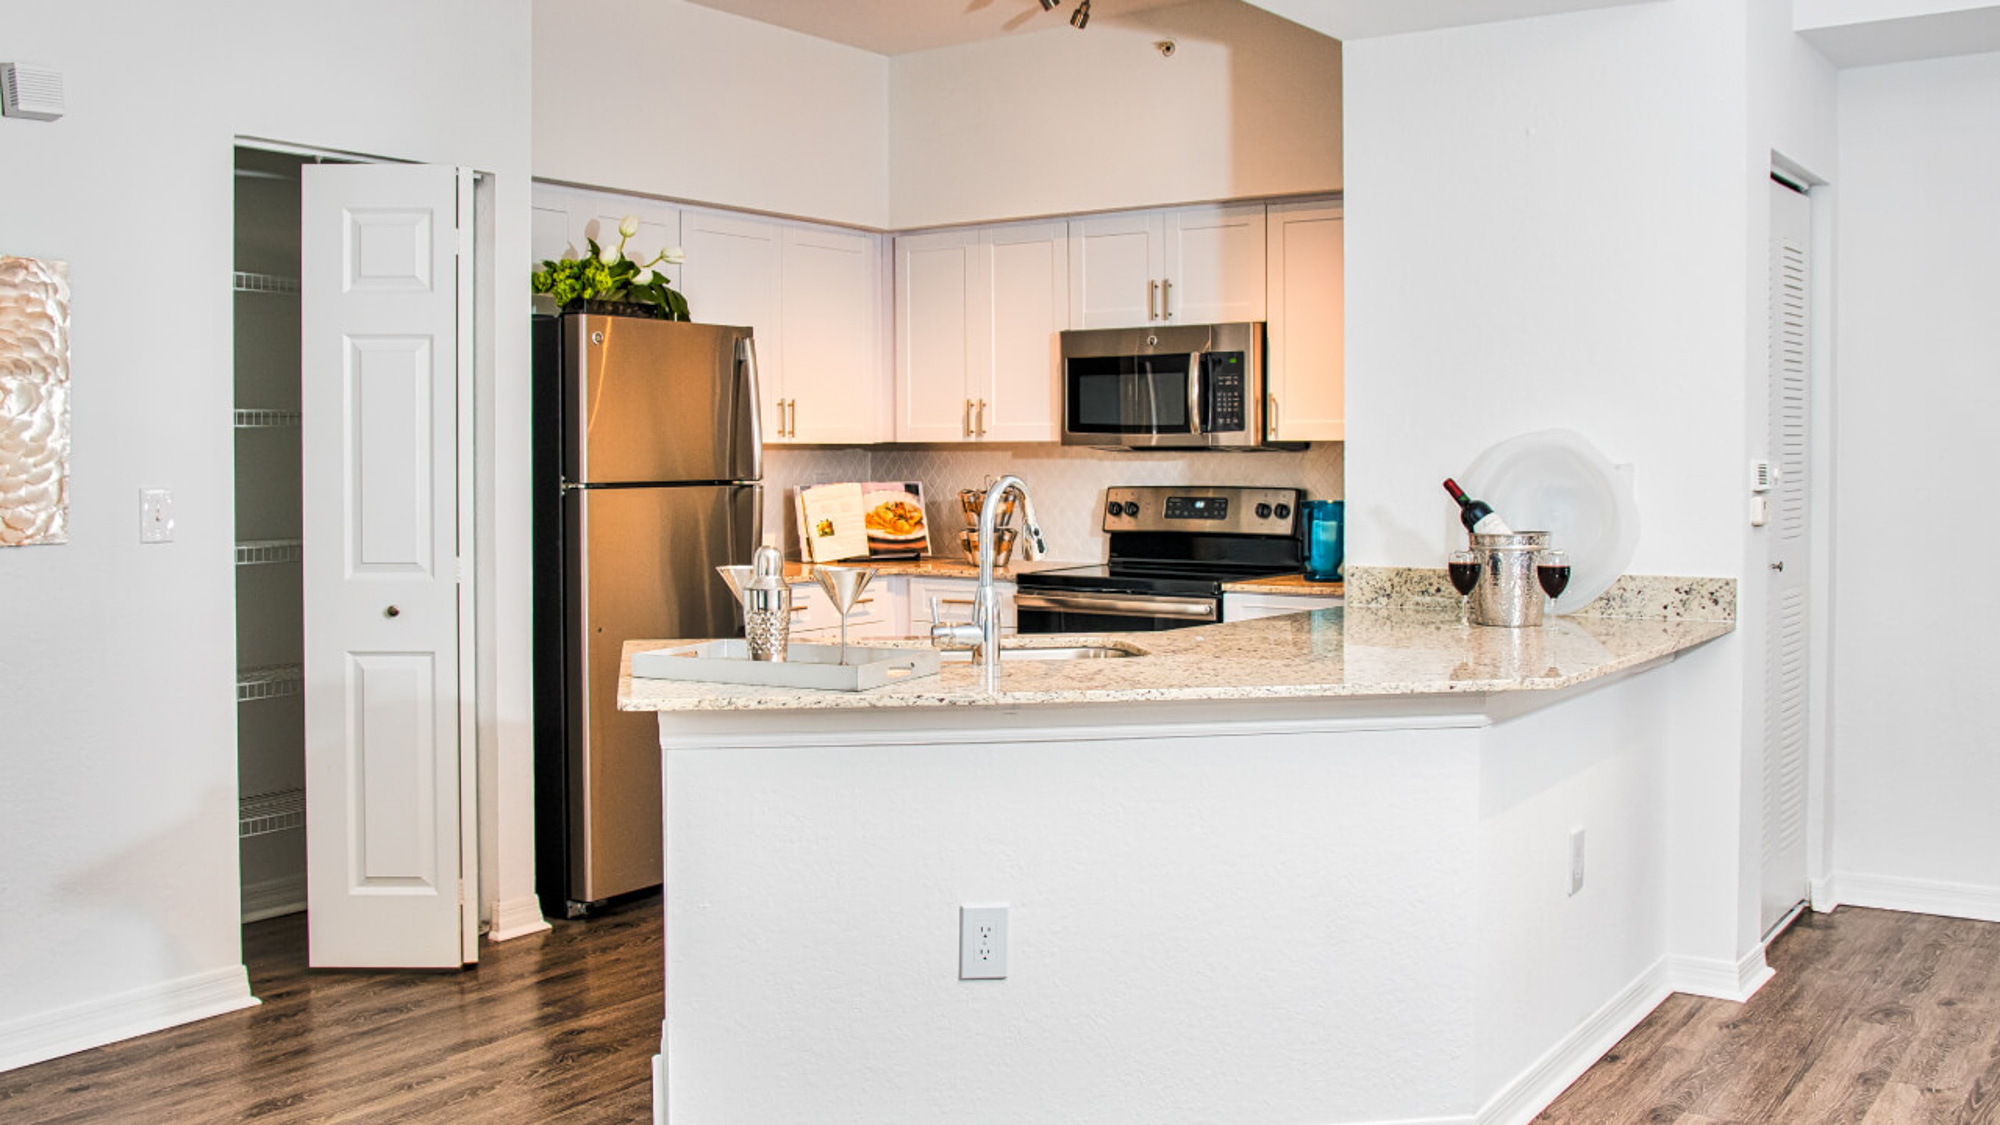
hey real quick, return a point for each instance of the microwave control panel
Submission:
(1222, 392)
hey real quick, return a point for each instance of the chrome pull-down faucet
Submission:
(982, 633)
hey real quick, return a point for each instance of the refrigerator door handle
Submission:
(749, 404)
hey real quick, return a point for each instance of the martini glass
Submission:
(843, 584)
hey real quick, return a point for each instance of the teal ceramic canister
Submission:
(1322, 527)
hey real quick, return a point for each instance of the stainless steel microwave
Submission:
(1189, 386)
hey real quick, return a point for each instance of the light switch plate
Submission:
(156, 515)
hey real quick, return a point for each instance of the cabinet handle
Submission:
(1166, 300)
(968, 417)
(1152, 299)
(1271, 423)
(982, 417)
(954, 601)
(791, 417)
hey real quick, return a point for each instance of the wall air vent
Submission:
(34, 92)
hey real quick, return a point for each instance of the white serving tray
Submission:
(804, 666)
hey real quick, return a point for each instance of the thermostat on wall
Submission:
(31, 91)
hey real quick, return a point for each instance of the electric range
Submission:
(1172, 547)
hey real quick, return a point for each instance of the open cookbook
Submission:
(862, 521)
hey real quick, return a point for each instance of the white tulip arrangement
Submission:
(606, 274)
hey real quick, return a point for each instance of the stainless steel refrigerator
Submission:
(647, 463)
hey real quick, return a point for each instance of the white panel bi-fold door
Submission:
(382, 321)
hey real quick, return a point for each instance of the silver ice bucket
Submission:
(1508, 592)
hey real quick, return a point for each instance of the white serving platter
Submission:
(804, 666)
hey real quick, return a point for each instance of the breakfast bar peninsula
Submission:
(1354, 865)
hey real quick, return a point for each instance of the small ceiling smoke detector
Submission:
(1165, 47)
(34, 92)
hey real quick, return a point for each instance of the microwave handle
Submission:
(1194, 393)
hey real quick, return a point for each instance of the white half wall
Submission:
(1919, 384)
(118, 817)
(668, 98)
(1057, 122)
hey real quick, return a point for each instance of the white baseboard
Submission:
(1824, 893)
(1533, 1089)
(1915, 896)
(516, 917)
(269, 898)
(1735, 981)
(659, 1090)
(94, 1023)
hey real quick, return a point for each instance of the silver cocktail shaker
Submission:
(767, 606)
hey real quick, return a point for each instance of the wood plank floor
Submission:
(1874, 1018)
(556, 1028)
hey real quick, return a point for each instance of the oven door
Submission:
(1072, 611)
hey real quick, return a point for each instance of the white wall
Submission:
(1919, 387)
(1058, 121)
(668, 98)
(1546, 228)
(118, 853)
(1560, 222)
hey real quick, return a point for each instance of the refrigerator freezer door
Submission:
(657, 400)
(646, 570)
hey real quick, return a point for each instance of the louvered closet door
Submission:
(1787, 576)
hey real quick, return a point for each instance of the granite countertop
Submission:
(1348, 652)
(930, 566)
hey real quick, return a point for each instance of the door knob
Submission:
(392, 611)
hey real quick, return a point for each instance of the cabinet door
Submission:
(1114, 270)
(830, 283)
(1024, 289)
(1214, 269)
(732, 277)
(1305, 347)
(935, 310)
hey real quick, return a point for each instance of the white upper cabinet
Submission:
(1188, 265)
(1305, 345)
(811, 294)
(833, 371)
(977, 317)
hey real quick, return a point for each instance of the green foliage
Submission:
(593, 279)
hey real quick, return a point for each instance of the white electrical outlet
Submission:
(982, 942)
(156, 515)
(1576, 859)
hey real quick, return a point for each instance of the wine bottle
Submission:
(1477, 515)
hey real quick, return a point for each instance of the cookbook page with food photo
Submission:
(894, 513)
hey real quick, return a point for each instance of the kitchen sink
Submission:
(1056, 652)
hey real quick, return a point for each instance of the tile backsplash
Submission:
(1067, 482)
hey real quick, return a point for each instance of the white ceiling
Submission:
(1364, 19)
(898, 27)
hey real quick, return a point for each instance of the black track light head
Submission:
(1080, 18)
(1047, 4)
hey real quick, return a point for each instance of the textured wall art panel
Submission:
(34, 401)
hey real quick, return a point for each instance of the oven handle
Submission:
(1120, 605)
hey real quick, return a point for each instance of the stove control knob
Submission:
(1112, 509)
(1284, 511)
(1263, 511)
(1131, 507)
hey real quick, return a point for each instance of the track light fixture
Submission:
(1080, 18)
(1048, 4)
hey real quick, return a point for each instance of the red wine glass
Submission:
(1552, 571)
(1464, 570)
